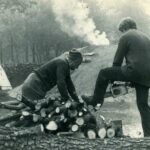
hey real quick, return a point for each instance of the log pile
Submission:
(60, 118)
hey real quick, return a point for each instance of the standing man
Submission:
(54, 72)
(134, 46)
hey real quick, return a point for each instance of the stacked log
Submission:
(58, 117)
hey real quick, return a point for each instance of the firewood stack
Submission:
(58, 117)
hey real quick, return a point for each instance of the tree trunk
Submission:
(17, 56)
(38, 56)
(1, 54)
(26, 53)
(30, 139)
(12, 48)
(33, 54)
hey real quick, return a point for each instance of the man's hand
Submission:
(88, 100)
(93, 109)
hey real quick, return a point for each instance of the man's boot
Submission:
(87, 99)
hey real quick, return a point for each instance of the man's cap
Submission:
(75, 55)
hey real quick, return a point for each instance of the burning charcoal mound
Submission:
(54, 116)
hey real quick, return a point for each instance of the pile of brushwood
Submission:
(60, 118)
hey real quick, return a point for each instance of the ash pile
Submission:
(54, 116)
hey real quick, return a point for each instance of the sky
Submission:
(146, 5)
(115, 3)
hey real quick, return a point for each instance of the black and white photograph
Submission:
(74, 74)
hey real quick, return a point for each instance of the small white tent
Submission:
(4, 82)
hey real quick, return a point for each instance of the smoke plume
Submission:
(73, 16)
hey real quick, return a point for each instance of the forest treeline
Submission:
(29, 32)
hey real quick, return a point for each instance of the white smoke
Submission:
(73, 16)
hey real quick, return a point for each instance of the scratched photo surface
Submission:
(32, 32)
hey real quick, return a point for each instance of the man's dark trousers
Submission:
(115, 74)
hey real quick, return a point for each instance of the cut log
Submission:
(89, 54)
(25, 113)
(80, 114)
(101, 127)
(44, 103)
(91, 134)
(53, 113)
(68, 104)
(101, 123)
(10, 124)
(11, 102)
(9, 118)
(89, 130)
(80, 121)
(52, 126)
(74, 128)
(56, 123)
(61, 109)
(57, 103)
(102, 133)
(43, 112)
(62, 117)
(33, 139)
(111, 132)
(72, 113)
(38, 106)
(36, 118)
(36, 130)
(65, 134)
(12, 107)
